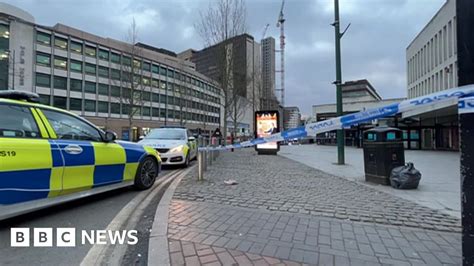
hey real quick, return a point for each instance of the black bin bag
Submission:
(405, 177)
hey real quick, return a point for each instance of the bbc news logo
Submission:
(66, 237)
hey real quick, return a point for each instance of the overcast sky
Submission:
(373, 48)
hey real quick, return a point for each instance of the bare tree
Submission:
(223, 20)
(131, 78)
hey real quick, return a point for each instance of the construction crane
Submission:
(280, 24)
(265, 31)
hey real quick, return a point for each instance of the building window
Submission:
(60, 42)
(60, 83)
(162, 70)
(155, 69)
(115, 108)
(137, 64)
(115, 74)
(76, 47)
(103, 71)
(155, 83)
(104, 54)
(146, 66)
(103, 107)
(76, 66)
(43, 59)
(125, 109)
(89, 106)
(90, 69)
(115, 91)
(60, 102)
(155, 112)
(45, 99)
(146, 111)
(126, 61)
(43, 80)
(43, 38)
(146, 81)
(156, 97)
(115, 58)
(89, 87)
(75, 104)
(75, 85)
(60, 62)
(146, 96)
(103, 89)
(90, 51)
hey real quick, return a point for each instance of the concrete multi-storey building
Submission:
(86, 74)
(268, 100)
(434, 63)
(432, 55)
(243, 60)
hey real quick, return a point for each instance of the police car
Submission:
(175, 145)
(50, 156)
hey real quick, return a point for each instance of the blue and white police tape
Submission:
(345, 121)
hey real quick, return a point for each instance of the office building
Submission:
(439, 58)
(432, 55)
(243, 61)
(268, 100)
(91, 76)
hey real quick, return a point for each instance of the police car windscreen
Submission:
(166, 133)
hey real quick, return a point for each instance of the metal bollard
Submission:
(204, 160)
(211, 153)
(200, 166)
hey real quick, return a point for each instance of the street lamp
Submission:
(339, 111)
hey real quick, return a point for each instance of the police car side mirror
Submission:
(110, 136)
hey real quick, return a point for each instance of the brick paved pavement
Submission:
(279, 184)
(286, 213)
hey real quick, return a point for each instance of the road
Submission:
(93, 213)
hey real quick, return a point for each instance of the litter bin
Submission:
(383, 151)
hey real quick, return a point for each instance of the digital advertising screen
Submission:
(266, 124)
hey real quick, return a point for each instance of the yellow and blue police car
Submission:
(176, 145)
(50, 156)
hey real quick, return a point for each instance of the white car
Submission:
(175, 145)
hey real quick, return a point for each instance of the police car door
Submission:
(26, 164)
(88, 161)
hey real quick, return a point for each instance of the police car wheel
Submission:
(186, 161)
(146, 174)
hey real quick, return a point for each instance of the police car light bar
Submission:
(20, 95)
